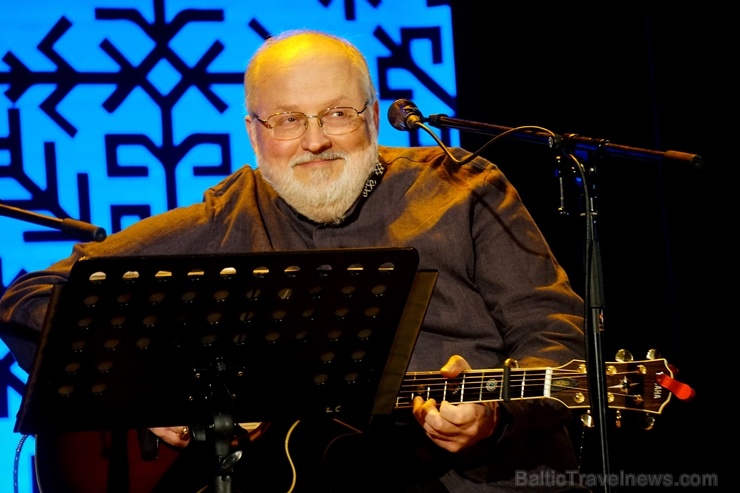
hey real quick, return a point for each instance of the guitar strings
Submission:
(477, 383)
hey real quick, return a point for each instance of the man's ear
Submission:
(251, 131)
(376, 115)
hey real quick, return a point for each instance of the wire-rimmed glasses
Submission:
(338, 120)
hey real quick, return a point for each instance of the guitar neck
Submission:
(486, 385)
(631, 385)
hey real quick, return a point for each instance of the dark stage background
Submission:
(649, 75)
(638, 75)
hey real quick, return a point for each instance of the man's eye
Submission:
(337, 113)
(287, 120)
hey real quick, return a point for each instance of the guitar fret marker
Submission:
(523, 384)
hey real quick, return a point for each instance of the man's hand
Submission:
(456, 426)
(177, 436)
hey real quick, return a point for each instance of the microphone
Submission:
(73, 227)
(405, 115)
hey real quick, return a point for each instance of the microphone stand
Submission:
(73, 227)
(573, 144)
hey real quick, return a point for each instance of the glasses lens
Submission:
(337, 121)
(287, 125)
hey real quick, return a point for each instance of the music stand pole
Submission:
(226, 459)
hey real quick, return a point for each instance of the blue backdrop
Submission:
(114, 110)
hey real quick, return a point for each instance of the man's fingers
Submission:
(454, 366)
(178, 436)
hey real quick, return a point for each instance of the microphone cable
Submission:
(16, 461)
(404, 115)
(484, 146)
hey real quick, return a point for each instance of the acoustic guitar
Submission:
(291, 455)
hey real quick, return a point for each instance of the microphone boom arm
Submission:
(572, 142)
(547, 138)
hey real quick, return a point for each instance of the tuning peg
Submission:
(618, 419)
(653, 354)
(624, 356)
(587, 420)
(647, 422)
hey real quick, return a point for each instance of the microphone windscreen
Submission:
(399, 113)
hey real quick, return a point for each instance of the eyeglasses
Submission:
(289, 125)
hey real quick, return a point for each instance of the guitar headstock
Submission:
(645, 386)
(630, 385)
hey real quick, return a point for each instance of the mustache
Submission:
(326, 155)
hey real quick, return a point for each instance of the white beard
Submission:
(321, 199)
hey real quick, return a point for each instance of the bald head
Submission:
(293, 48)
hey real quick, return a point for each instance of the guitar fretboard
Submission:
(478, 386)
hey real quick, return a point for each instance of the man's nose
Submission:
(314, 138)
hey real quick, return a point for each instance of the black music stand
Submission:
(213, 340)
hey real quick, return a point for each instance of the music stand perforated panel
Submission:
(151, 341)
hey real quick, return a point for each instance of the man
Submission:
(324, 182)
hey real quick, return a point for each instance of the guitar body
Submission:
(98, 461)
(112, 462)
